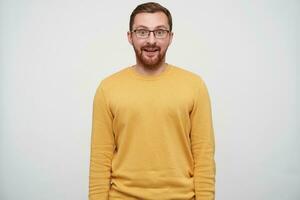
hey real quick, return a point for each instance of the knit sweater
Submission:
(152, 137)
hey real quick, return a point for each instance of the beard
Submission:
(152, 61)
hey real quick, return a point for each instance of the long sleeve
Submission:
(203, 146)
(102, 148)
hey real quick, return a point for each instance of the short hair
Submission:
(150, 7)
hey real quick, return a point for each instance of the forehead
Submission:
(151, 20)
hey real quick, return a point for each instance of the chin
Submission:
(151, 63)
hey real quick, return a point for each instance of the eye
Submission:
(159, 32)
(142, 32)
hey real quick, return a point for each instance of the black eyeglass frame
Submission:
(149, 32)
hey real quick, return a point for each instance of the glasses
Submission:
(144, 33)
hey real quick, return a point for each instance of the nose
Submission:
(151, 39)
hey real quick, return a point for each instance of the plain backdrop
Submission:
(54, 53)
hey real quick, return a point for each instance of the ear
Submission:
(129, 37)
(171, 37)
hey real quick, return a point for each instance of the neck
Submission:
(150, 70)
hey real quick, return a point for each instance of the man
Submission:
(152, 134)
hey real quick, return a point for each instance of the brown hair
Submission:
(150, 7)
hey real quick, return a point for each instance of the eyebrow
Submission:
(160, 26)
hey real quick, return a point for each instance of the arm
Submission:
(203, 146)
(102, 147)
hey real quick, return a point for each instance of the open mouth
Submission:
(151, 51)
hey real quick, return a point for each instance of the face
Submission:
(150, 52)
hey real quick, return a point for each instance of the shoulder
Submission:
(188, 75)
(114, 79)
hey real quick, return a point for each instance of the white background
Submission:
(53, 55)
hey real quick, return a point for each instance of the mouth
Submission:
(151, 51)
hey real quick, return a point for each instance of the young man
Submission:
(152, 134)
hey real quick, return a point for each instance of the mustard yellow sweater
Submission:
(152, 137)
